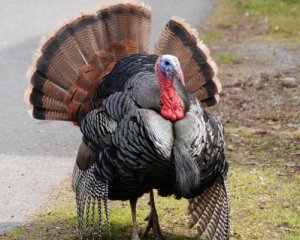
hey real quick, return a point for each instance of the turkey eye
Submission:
(167, 63)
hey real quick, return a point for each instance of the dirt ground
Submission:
(261, 90)
(260, 79)
(261, 83)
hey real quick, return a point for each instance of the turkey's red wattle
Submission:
(171, 104)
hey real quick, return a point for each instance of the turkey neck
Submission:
(169, 96)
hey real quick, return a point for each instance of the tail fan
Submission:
(200, 71)
(72, 62)
(210, 211)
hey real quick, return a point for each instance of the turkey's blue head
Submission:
(168, 70)
(170, 67)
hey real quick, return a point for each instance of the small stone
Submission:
(289, 82)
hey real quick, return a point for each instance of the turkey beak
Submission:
(176, 74)
(179, 75)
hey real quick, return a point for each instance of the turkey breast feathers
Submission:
(137, 149)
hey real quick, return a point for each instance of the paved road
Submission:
(36, 156)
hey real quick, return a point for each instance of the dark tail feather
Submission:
(187, 171)
(200, 71)
(73, 60)
(210, 211)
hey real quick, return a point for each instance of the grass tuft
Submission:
(227, 58)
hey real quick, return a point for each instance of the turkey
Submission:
(142, 116)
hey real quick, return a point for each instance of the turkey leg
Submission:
(153, 221)
(135, 233)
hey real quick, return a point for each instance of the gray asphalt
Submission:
(36, 156)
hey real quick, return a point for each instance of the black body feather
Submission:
(140, 150)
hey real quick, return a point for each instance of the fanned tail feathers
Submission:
(200, 71)
(210, 211)
(72, 62)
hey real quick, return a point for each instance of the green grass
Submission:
(227, 58)
(264, 203)
(212, 36)
(282, 15)
(58, 221)
(264, 183)
(271, 20)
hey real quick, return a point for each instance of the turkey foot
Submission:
(153, 221)
(135, 232)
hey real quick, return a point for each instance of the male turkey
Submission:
(141, 115)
